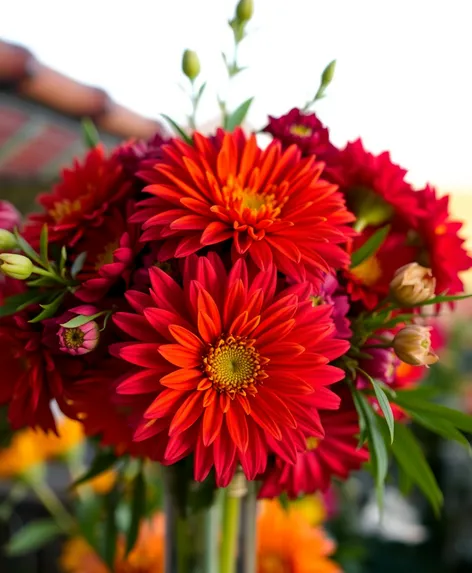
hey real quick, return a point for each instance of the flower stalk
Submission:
(230, 523)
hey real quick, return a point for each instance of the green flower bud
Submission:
(369, 208)
(190, 64)
(7, 240)
(16, 266)
(328, 74)
(245, 10)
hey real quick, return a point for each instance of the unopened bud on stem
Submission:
(412, 345)
(7, 240)
(245, 10)
(16, 266)
(190, 64)
(412, 284)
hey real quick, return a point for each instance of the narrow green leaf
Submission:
(103, 461)
(27, 248)
(62, 263)
(21, 301)
(409, 401)
(82, 319)
(32, 536)
(370, 247)
(362, 419)
(441, 427)
(444, 298)
(411, 459)
(383, 403)
(138, 509)
(49, 309)
(200, 93)
(178, 129)
(89, 133)
(397, 320)
(88, 517)
(237, 117)
(111, 528)
(43, 242)
(284, 501)
(78, 264)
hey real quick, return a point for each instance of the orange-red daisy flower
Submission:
(79, 201)
(442, 248)
(271, 204)
(336, 454)
(236, 371)
(287, 543)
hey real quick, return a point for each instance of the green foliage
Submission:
(104, 460)
(370, 247)
(237, 117)
(178, 129)
(138, 509)
(32, 536)
(82, 319)
(90, 134)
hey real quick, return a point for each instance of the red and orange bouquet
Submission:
(230, 309)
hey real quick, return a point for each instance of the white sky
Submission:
(403, 80)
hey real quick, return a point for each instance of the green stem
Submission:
(211, 527)
(230, 527)
(250, 529)
(53, 504)
(182, 543)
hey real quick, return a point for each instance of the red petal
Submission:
(180, 356)
(186, 338)
(237, 426)
(187, 414)
(182, 379)
(141, 354)
(142, 382)
(212, 419)
(215, 232)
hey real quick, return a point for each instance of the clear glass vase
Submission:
(209, 530)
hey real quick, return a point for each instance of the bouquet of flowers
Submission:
(255, 319)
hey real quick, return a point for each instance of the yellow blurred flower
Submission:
(312, 508)
(25, 451)
(102, 483)
(287, 543)
(146, 557)
(71, 434)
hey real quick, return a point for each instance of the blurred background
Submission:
(402, 83)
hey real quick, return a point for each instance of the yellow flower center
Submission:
(273, 563)
(312, 443)
(64, 208)
(369, 271)
(301, 130)
(106, 256)
(250, 202)
(440, 229)
(233, 366)
(73, 337)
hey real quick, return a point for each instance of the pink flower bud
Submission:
(413, 284)
(80, 339)
(412, 345)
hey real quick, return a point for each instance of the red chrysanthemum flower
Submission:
(80, 200)
(135, 154)
(305, 131)
(30, 378)
(375, 188)
(111, 255)
(234, 369)
(442, 248)
(271, 204)
(336, 454)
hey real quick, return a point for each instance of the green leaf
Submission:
(43, 241)
(284, 501)
(138, 510)
(27, 248)
(89, 133)
(237, 117)
(62, 262)
(412, 461)
(410, 402)
(88, 512)
(111, 528)
(32, 536)
(81, 319)
(178, 129)
(383, 403)
(444, 298)
(49, 309)
(370, 247)
(104, 460)
(397, 320)
(200, 93)
(441, 427)
(19, 302)
(78, 264)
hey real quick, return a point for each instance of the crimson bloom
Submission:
(270, 203)
(442, 248)
(235, 370)
(305, 131)
(9, 216)
(336, 454)
(80, 200)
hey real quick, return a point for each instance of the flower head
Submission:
(134, 154)
(441, 248)
(147, 555)
(287, 543)
(79, 201)
(235, 370)
(331, 293)
(412, 344)
(412, 284)
(334, 454)
(79, 339)
(381, 365)
(271, 205)
(16, 267)
(305, 131)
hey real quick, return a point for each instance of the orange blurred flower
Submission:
(287, 543)
(70, 435)
(27, 449)
(146, 557)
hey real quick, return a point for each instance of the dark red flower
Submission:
(334, 455)
(137, 154)
(305, 131)
(9, 216)
(233, 369)
(271, 205)
(80, 200)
